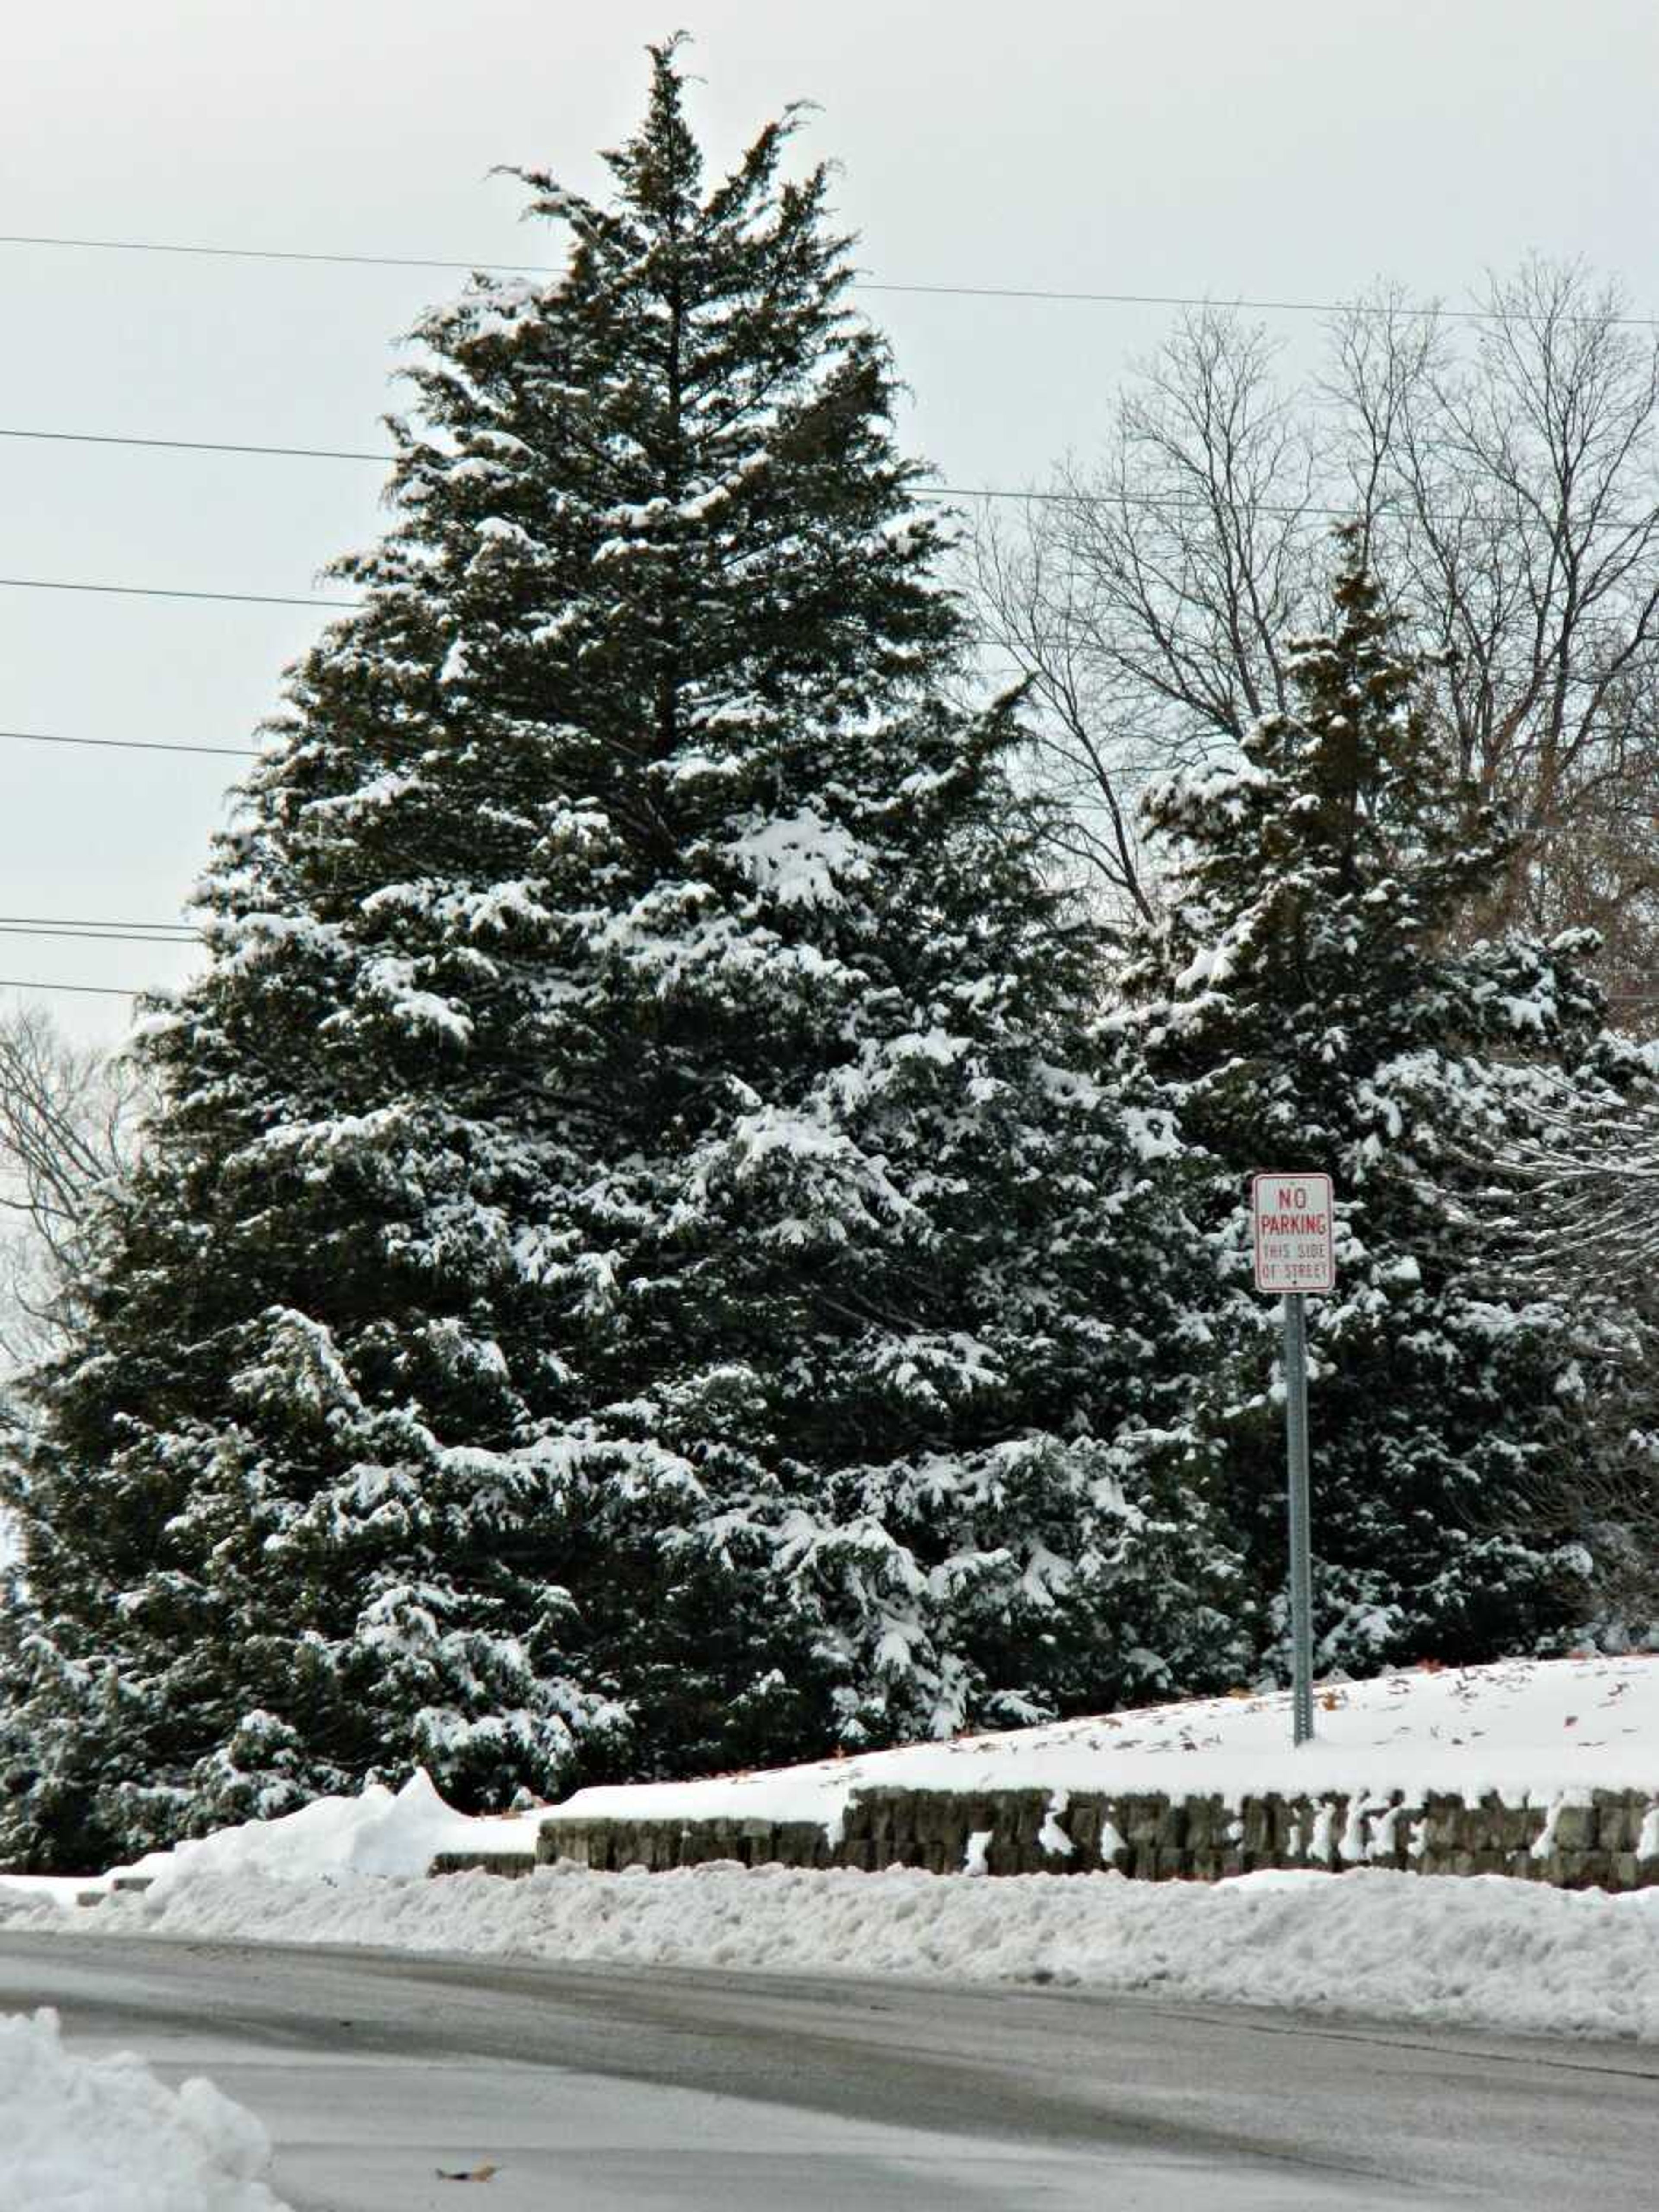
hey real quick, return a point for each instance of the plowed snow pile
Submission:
(1489, 1952)
(103, 2134)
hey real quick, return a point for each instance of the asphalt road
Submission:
(652, 2091)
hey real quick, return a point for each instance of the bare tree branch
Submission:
(70, 1123)
(1506, 482)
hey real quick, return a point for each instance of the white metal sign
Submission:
(1295, 1246)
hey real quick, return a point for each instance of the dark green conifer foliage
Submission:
(636, 1268)
(1316, 997)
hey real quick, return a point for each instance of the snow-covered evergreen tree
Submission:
(1316, 996)
(637, 1265)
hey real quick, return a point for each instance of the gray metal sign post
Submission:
(1296, 1440)
(1292, 1227)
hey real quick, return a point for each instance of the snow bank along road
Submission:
(604, 2088)
(1495, 1956)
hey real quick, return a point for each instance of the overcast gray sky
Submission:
(1287, 149)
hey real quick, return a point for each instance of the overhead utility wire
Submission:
(185, 933)
(93, 990)
(93, 936)
(143, 990)
(183, 930)
(861, 284)
(1171, 504)
(936, 491)
(117, 991)
(162, 592)
(196, 446)
(1433, 311)
(130, 744)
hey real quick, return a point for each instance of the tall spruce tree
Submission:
(1316, 996)
(635, 1266)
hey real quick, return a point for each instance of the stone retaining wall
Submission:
(1609, 1841)
(511, 1864)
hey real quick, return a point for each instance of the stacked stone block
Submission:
(1151, 1836)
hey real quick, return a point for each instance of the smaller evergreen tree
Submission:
(1312, 996)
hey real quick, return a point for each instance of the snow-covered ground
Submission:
(1489, 1951)
(1531, 1731)
(103, 2134)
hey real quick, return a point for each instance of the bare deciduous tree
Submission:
(70, 1122)
(1505, 469)
(1590, 1192)
(1573, 1214)
(1514, 488)
(1146, 598)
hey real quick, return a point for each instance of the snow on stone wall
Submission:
(1601, 1838)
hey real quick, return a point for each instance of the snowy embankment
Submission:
(1533, 1732)
(103, 2134)
(1488, 1952)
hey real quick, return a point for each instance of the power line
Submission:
(346, 606)
(1433, 311)
(121, 991)
(185, 934)
(1184, 504)
(94, 990)
(153, 933)
(863, 284)
(184, 931)
(132, 745)
(196, 446)
(273, 254)
(144, 990)
(938, 492)
(162, 592)
(1171, 504)
(93, 936)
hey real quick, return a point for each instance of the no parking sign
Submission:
(1295, 1246)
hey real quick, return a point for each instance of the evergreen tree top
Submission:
(654, 635)
(1327, 881)
(692, 407)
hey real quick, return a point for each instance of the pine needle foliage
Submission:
(638, 1266)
